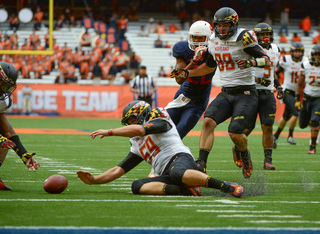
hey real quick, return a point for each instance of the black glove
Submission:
(263, 81)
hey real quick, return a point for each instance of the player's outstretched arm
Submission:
(127, 131)
(106, 177)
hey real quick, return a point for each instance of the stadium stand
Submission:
(152, 57)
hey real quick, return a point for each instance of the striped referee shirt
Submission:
(143, 84)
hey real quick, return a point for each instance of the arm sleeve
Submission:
(156, 126)
(131, 161)
(255, 51)
(278, 69)
(210, 61)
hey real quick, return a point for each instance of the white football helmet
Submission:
(199, 28)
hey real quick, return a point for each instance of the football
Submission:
(55, 184)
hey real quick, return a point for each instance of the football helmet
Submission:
(297, 46)
(315, 50)
(8, 78)
(136, 112)
(199, 28)
(226, 15)
(264, 28)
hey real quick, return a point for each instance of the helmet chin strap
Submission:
(266, 40)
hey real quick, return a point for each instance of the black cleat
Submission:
(236, 156)
(202, 165)
(3, 186)
(246, 164)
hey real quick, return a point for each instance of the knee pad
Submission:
(314, 123)
(176, 176)
(238, 127)
(136, 185)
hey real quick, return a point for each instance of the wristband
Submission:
(110, 132)
(260, 62)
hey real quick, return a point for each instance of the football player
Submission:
(289, 65)
(265, 84)
(236, 53)
(9, 138)
(155, 139)
(191, 100)
(309, 75)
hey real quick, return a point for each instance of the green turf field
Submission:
(286, 197)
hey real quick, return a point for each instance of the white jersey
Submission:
(291, 69)
(158, 149)
(227, 52)
(312, 79)
(273, 53)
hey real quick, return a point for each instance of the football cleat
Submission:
(291, 141)
(268, 166)
(202, 165)
(193, 191)
(3, 186)
(236, 156)
(312, 150)
(275, 142)
(246, 164)
(232, 188)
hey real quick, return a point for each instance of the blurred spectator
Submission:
(183, 17)
(34, 38)
(26, 99)
(46, 39)
(14, 38)
(37, 17)
(284, 21)
(158, 43)
(133, 13)
(162, 72)
(72, 22)
(59, 23)
(113, 21)
(316, 39)
(25, 45)
(173, 27)
(121, 60)
(143, 32)
(305, 25)
(295, 38)
(283, 38)
(14, 22)
(126, 74)
(134, 63)
(151, 26)
(85, 38)
(87, 22)
(196, 16)
(122, 26)
(160, 28)
(96, 71)
(268, 19)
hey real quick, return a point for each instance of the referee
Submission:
(143, 85)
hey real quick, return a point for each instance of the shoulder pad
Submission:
(246, 38)
(180, 47)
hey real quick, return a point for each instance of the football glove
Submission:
(179, 73)
(244, 63)
(6, 143)
(199, 51)
(29, 161)
(279, 92)
(263, 81)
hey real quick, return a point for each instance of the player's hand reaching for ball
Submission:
(86, 177)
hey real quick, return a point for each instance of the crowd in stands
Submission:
(107, 52)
